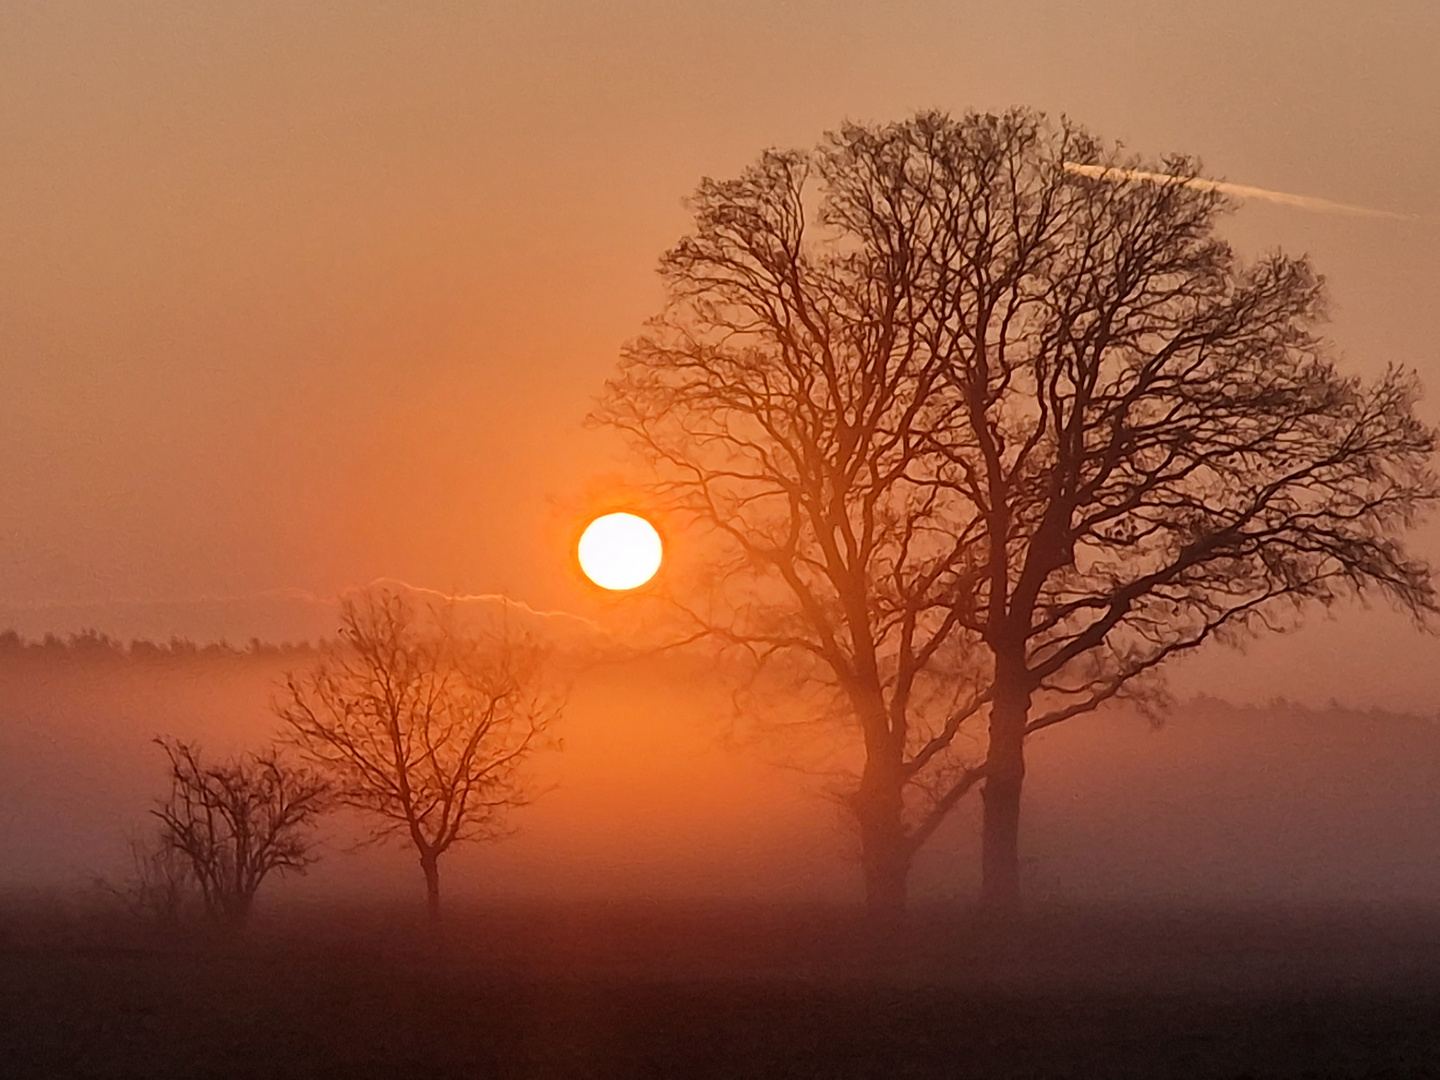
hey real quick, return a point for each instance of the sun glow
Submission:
(620, 551)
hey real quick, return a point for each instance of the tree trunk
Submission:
(429, 862)
(884, 846)
(233, 912)
(886, 861)
(244, 904)
(1004, 779)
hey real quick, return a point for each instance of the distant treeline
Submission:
(1215, 707)
(94, 644)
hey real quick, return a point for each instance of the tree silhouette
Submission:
(422, 725)
(785, 401)
(161, 887)
(234, 824)
(1152, 431)
(1075, 418)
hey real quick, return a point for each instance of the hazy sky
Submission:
(295, 295)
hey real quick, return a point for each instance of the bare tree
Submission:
(1134, 441)
(422, 725)
(1152, 431)
(785, 400)
(234, 824)
(160, 888)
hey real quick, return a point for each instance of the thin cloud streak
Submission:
(464, 598)
(294, 595)
(1242, 191)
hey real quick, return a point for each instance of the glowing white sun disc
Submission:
(620, 551)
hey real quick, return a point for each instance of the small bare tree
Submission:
(160, 888)
(422, 725)
(235, 823)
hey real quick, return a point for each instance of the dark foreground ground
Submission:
(646, 992)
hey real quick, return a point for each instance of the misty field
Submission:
(1228, 895)
(648, 991)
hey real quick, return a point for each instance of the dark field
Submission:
(636, 992)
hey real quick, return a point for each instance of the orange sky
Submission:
(293, 296)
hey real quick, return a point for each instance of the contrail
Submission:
(1243, 191)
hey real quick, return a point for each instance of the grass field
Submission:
(645, 992)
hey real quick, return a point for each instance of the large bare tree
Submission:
(234, 824)
(1153, 431)
(989, 386)
(423, 724)
(785, 402)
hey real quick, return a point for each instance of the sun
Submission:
(620, 551)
